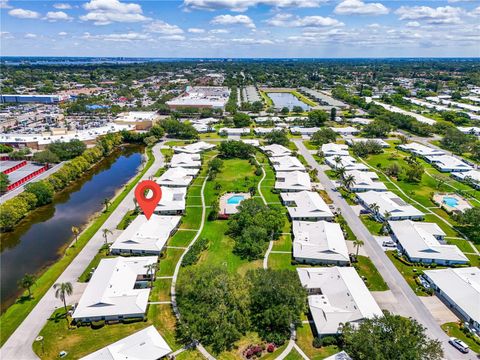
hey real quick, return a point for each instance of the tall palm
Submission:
(348, 181)
(357, 243)
(75, 232)
(151, 270)
(106, 202)
(338, 160)
(135, 202)
(105, 233)
(340, 171)
(62, 290)
(375, 208)
(26, 282)
(386, 217)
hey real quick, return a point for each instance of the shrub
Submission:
(317, 342)
(97, 324)
(193, 254)
(258, 171)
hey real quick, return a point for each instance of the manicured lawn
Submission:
(189, 355)
(167, 263)
(453, 330)
(343, 223)
(294, 355)
(181, 238)
(303, 98)
(161, 290)
(16, 313)
(463, 245)
(308, 144)
(372, 225)
(305, 342)
(283, 244)
(368, 271)
(192, 218)
(280, 261)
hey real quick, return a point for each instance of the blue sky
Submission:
(241, 28)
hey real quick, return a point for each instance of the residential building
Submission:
(361, 121)
(265, 130)
(332, 149)
(195, 148)
(470, 130)
(352, 141)
(447, 163)
(172, 201)
(421, 150)
(365, 181)
(389, 204)
(342, 355)
(286, 163)
(346, 162)
(264, 119)
(471, 176)
(141, 345)
(306, 205)
(319, 242)
(117, 290)
(177, 177)
(191, 161)
(234, 131)
(459, 288)
(276, 150)
(305, 131)
(346, 131)
(292, 181)
(423, 242)
(337, 295)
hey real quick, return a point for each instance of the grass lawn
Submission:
(280, 261)
(367, 270)
(303, 98)
(308, 144)
(16, 313)
(343, 223)
(293, 355)
(305, 342)
(192, 218)
(168, 262)
(129, 216)
(373, 226)
(283, 244)
(463, 245)
(161, 290)
(181, 238)
(453, 330)
(189, 355)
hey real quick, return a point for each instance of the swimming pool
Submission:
(236, 199)
(450, 201)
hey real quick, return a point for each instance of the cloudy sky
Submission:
(241, 28)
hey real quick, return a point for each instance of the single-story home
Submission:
(286, 163)
(447, 163)
(306, 205)
(347, 162)
(382, 143)
(389, 204)
(264, 119)
(292, 181)
(195, 148)
(346, 131)
(275, 150)
(472, 176)
(177, 177)
(365, 181)
(265, 130)
(234, 131)
(186, 160)
(420, 150)
(306, 131)
(332, 149)
(172, 201)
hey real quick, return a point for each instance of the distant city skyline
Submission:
(241, 28)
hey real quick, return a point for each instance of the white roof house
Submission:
(420, 242)
(421, 150)
(347, 162)
(332, 149)
(177, 177)
(460, 287)
(365, 180)
(347, 130)
(357, 120)
(264, 130)
(382, 143)
(293, 181)
(471, 175)
(295, 118)
(111, 291)
(253, 142)
(195, 148)
(390, 203)
(143, 345)
(144, 236)
(306, 205)
(304, 130)
(172, 201)
(263, 119)
(276, 150)
(472, 130)
(234, 131)
(337, 295)
(342, 355)
(186, 160)
(203, 128)
(319, 242)
(447, 163)
(286, 163)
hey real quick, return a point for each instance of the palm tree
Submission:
(62, 290)
(348, 181)
(135, 202)
(340, 171)
(403, 139)
(386, 217)
(26, 282)
(357, 243)
(375, 208)
(106, 202)
(151, 270)
(338, 160)
(105, 233)
(75, 232)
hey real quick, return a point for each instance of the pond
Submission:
(286, 99)
(40, 238)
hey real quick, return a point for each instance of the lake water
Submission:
(39, 239)
(285, 99)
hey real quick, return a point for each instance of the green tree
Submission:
(43, 191)
(317, 117)
(150, 140)
(389, 337)
(235, 149)
(62, 290)
(323, 136)
(414, 172)
(333, 114)
(107, 203)
(285, 110)
(46, 157)
(75, 232)
(67, 150)
(241, 120)
(357, 243)
(105, 233)
(277, 137)
(4, 182)
(297, 109)
(26, 283)
(257, 106)
(151, 271)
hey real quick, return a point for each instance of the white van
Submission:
(459, 344)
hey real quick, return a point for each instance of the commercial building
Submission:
(23, 99)
(365, 181)
(276, 150)
(195, 148)
(140, 120)
(319, 242)
(286, 163)
(117, 290)
(306, 205)
(337, 295)
(146, 237)
(144, 344)
(447, 163)
(389, 204)
(332, 149)
(460, 289)
(211, 97)
(293, 181)
(421, 242)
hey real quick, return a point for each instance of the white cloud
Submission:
(24, 14)
(30, 36)
(4, 5)
(250, 41)
(62, 6)
(233, 20)
(104, 12)
(413, 24)
(196, 31)
(62, 33)
(475, 12)
(5, 35)
(173, 37)
(57, 15)
(219, 31)
(358, 7)
(161, 27)
(243, 5)
(439, 15)
(288, 20)
(126, 37)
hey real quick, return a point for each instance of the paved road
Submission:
(408, 304)
(19, 345)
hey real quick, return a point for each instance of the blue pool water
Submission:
(236, 199)
(450, 201)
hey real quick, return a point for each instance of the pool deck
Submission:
(227, 209)
(461, 205)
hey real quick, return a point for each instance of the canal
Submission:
(286, 99)
(40, 238)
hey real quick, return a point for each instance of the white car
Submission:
(459, 344)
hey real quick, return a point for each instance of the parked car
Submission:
(459, 344)
(389, 243)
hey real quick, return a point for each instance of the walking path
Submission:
(19, 345)
(408, 303)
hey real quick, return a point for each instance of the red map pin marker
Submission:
(148, 205)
